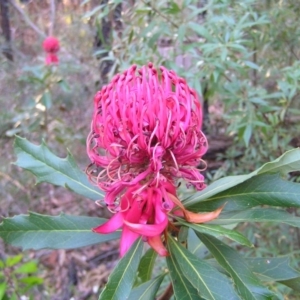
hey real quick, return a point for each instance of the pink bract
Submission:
(51, 44)
(142, 215)
(145, 136)
(51, 59)
(51, 47)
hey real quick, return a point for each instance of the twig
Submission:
(160, 14)
(167, 293)
(27, 19)
(52, 16)
(16, 183)
(5, 26)
(293, 52)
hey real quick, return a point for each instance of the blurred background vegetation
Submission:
(242, 57)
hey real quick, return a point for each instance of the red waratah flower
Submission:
(51, 47)
(145, 135)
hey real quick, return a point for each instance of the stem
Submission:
(167, 293)
(5, 25)
(27, 19)
(254, 70)
(160, 14)
(46, 121)
(52, 16)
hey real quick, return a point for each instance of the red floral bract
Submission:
(145, 135)
(51, 44)
(51, 47)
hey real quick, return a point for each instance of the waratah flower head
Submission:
(146, 129)
(145, 135)
(51, 44)
(51, 47)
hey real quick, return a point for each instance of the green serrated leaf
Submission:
(47, 167)
(183, 289)
(147, 290)
(258, 215)
(35, 231)
(122, 278)
(288, 162)
(209, 282)
(264, 189)
(246, 283)
(146, 265)
(218, 231)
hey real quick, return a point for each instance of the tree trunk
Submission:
(5, 25)
(103, 38)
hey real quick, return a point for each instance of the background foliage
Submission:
(241, 56)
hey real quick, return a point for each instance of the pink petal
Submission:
(114, 223)
(156, 243)
(134, 213)
(148, 229)
(51, 58)
(127, 239)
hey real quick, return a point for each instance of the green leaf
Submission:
(292, 283)
(35, 231)
(47, 167)
(12, 297)
(258, 215)
(251, 65)
(183, 289)
(92, 12)
(195, 246)
(46, 99)
(260, 190)
(146, 265)
(2, 289)
(288, 162)
(32, 280)
(201, 30)
(172, 9)
(247, 134)
(63, 85)
(147, 290)
(122, 278)
(246, 283)
(218, 231)
(273, 268)
(28, 267)
(209, 282)
(13, 260)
